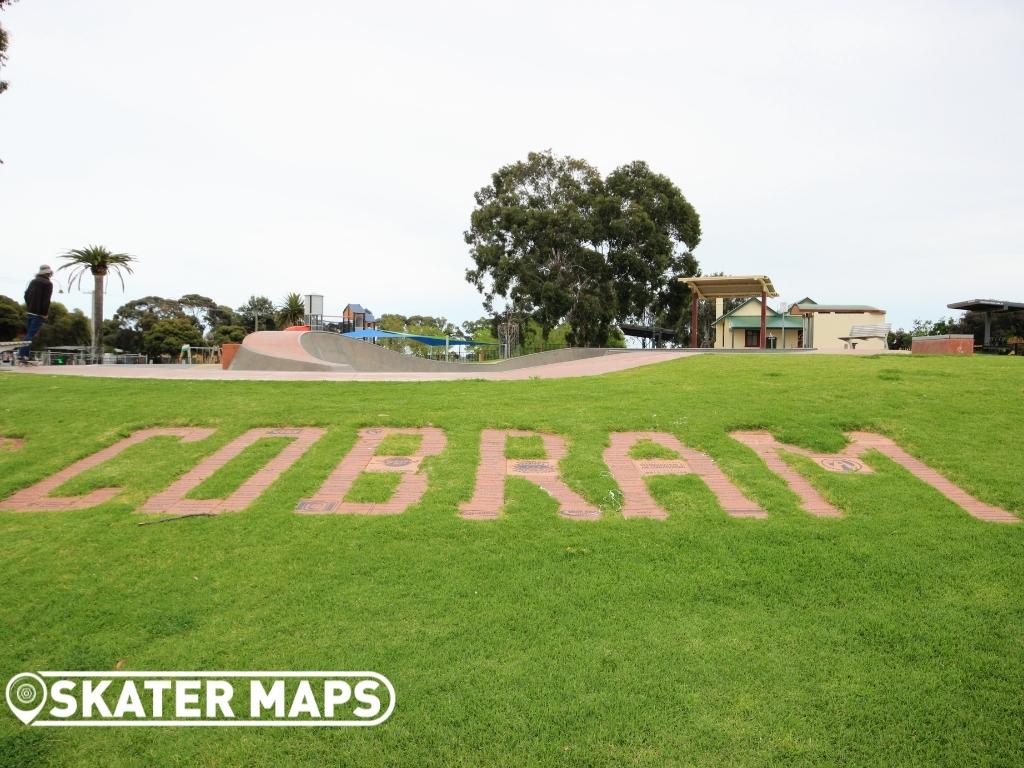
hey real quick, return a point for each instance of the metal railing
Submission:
(50, 357)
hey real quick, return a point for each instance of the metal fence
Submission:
(50, 357)
(1006, 349)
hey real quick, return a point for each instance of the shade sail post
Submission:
(694, 299)
(764, 318)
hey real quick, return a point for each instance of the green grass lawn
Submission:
(894, 636)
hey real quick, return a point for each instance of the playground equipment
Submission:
(313, 306)
(432, 344)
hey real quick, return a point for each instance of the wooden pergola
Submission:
(729, 287)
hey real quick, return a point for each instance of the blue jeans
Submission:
(35, 322)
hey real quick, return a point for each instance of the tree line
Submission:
(156, 326)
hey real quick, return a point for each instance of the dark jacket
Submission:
(37, 295)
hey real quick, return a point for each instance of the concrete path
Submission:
(594, 366)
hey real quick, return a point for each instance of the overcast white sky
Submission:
(855, 152)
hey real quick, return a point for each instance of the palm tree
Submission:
(292, 311)
(99, 261)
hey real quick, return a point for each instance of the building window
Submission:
(752, 338)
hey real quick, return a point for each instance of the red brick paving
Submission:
(489, 496)
(330, 499)
(629, 473)
(848, 460)
(173, 501)
(38, 497)
(765, 446)
(920, 470)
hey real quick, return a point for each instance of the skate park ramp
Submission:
(331, 352)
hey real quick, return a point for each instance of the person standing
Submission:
(37, 305)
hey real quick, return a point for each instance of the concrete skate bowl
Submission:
(331, 352)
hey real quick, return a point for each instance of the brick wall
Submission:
(952, 344)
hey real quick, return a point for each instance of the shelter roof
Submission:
(647, 331)
(730, 286)
(987, 305)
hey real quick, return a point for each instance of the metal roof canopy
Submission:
(989, 307)
(647, 332)
(730, 286)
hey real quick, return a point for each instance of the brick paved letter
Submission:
(849, 460)
(37, 497)
(629, 473)
(489, 496)
(173, 499)
(330, 499)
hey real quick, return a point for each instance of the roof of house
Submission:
(768, 310)
(778, 321)
(812, 307)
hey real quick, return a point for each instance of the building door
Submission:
(752, 338)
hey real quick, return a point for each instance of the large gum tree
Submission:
(99, 262)
(559, 243)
